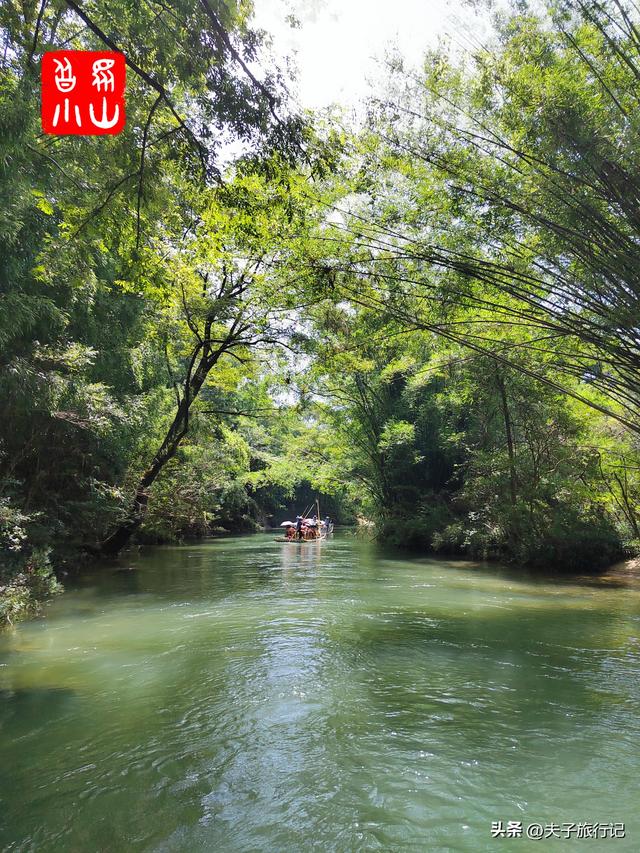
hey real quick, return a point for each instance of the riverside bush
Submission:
(26, 574)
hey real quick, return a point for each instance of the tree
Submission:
(504, 192)
(100, 250)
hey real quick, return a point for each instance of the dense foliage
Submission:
(225, 310)
(481, 255)
(137, 303)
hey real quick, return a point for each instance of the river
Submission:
(246, 695)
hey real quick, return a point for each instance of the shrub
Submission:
(26, 574)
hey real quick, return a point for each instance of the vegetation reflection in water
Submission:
(244, 695)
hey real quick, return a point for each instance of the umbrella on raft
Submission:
(288, 524)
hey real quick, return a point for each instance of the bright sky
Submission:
(337, 44)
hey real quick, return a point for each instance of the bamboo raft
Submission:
(311, 541)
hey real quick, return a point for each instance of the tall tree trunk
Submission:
(196, 376)
(509, 436)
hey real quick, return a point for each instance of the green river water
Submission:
(245, 695)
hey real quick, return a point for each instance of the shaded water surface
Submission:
(245, 695)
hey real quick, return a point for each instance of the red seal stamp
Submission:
(83, 92)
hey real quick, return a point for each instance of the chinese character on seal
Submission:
(83, 92)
